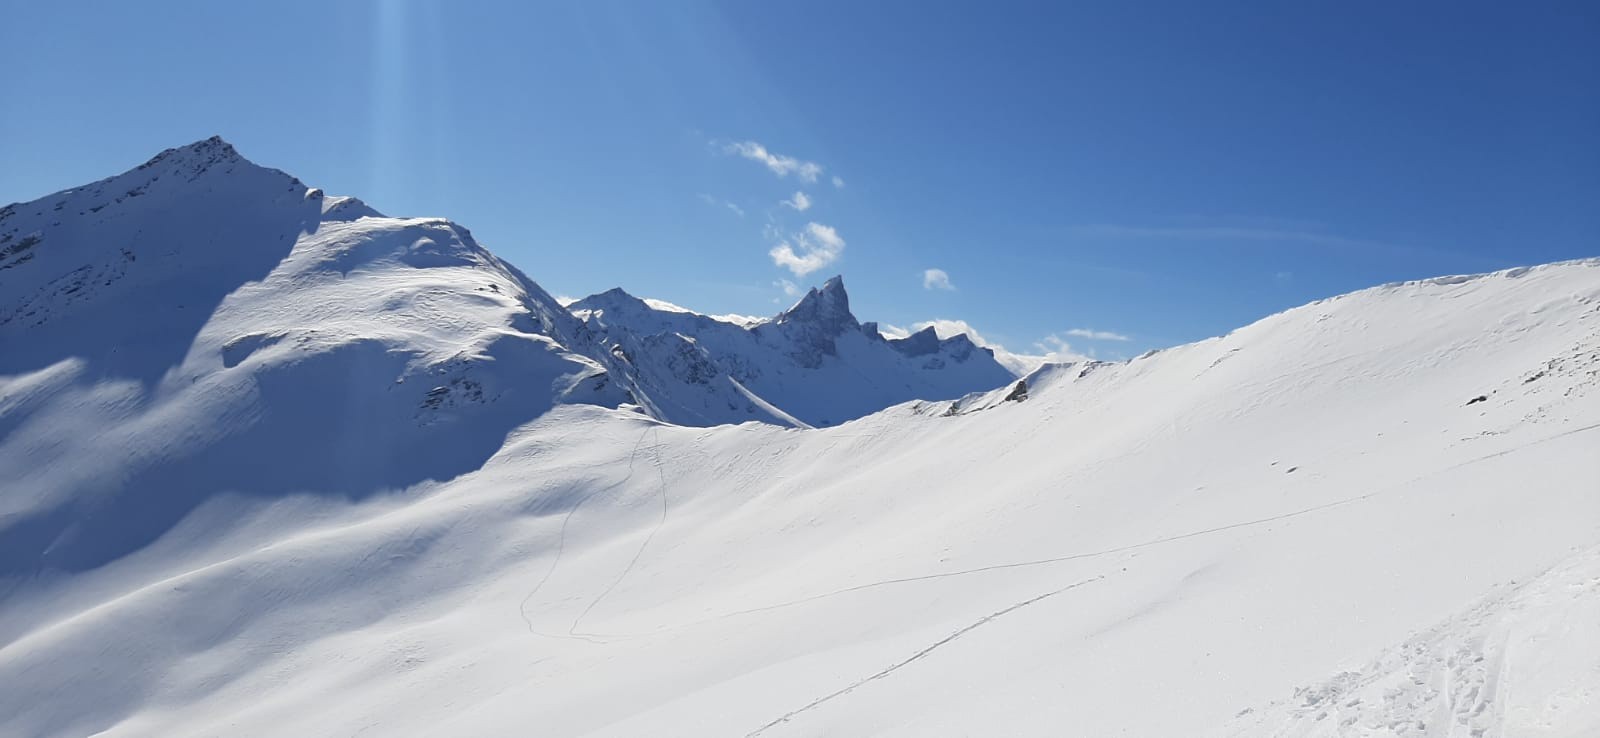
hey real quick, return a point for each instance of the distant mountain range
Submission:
(146, 251)
(812, 364)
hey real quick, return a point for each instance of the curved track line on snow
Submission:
(985, 620)
(1106, 551)
(561, 545)
(661, 476)
(787, 717)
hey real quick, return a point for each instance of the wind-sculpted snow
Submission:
(378, 511)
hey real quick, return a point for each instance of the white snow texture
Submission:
(274, 464)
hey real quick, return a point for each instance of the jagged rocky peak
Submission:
(923, 342)
(827, 307)
(200, 153)
(194, 161)
(961, 345)
(927, 341)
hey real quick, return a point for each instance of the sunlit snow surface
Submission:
(234, 500)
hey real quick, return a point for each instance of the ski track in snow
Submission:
(1477, 701)
(985, 620)
(662, 521)
(561, 547)
(1093, 554)
(1451, 680)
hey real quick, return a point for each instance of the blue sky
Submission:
(1156, 172)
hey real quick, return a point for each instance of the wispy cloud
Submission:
(789, 288)
(1094, 335)
(781, 165)
(715, 202)
(936, 279)
(892, 331)
(808, 250)
(838, 182)
(799, 202)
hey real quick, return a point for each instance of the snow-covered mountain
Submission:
(811, 365)
(203, 325)
(204, 298)
(273, 464)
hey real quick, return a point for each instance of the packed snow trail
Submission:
(985, 620)
(1452, 680)
(1397, 489)
(561, 547)
(661, 479)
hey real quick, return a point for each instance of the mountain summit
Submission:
(828, 308)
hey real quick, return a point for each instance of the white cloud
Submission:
(826, 234)
(838, 182)
(789, 288)
(1018, 364)
(799, 202)
(892, 331)
(1056, 349)
(712, 201)
(781, 165)
(743, 321)
(665, 306)
(936, 279)
(808, 250)
(946, 328)
(1094, 335)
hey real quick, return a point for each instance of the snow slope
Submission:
(814, 363)
(1523, 662)
(1174, 545)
